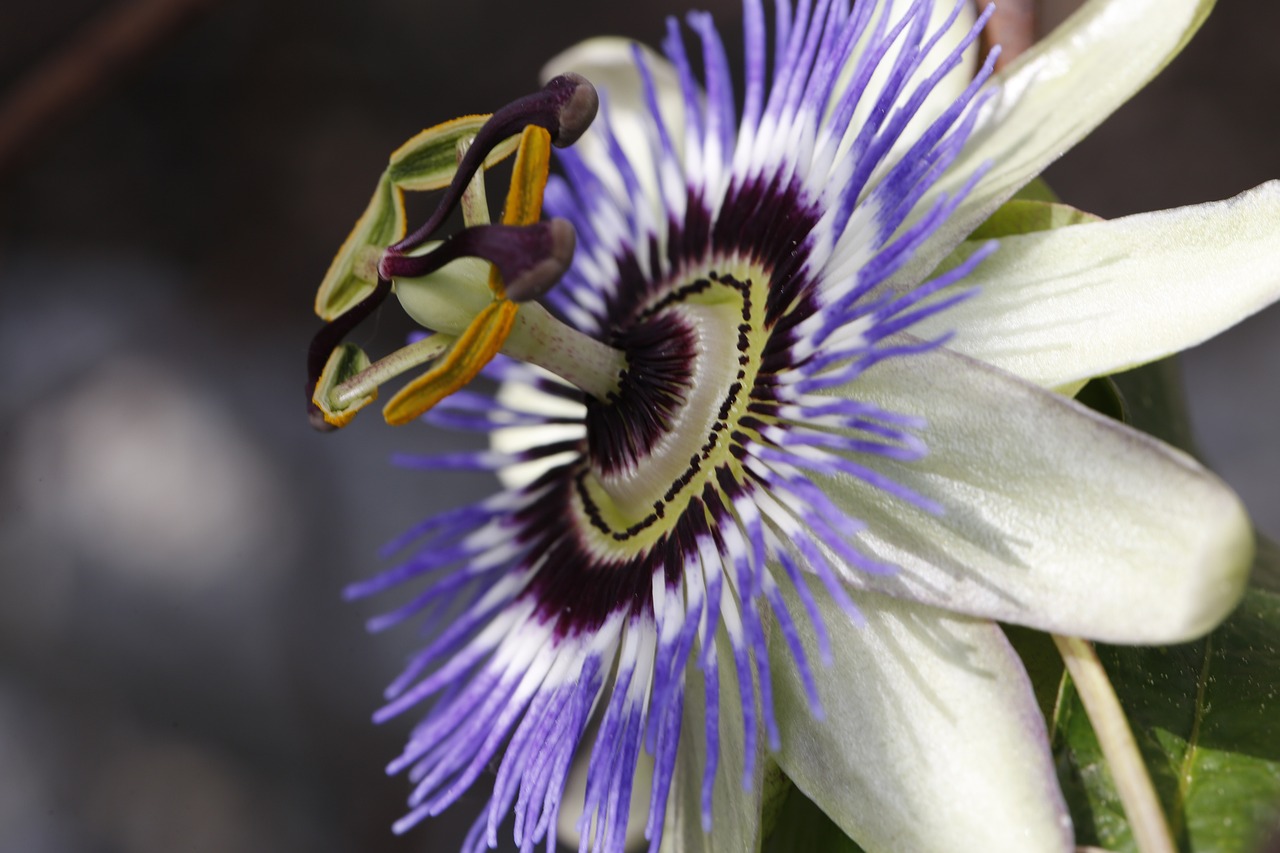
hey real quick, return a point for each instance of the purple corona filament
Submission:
(741, 266)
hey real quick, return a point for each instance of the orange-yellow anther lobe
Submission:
(474, 349)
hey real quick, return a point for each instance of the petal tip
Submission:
(1226, 557)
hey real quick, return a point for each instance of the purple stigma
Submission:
(566, 106)
(531, 258)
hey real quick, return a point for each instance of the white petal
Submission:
(1055, 517)
(933, 740)
(1059, 306)
(1052, 97)
(735, 808)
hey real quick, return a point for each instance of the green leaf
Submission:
(1037, 190)
(775, 789)
(1266, 566)
(1206, 716)
(1103, 396)
(1025, 216)
(1154, 402)
(801, 827)
(1043, 664)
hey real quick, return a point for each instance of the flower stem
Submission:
(1133, 782)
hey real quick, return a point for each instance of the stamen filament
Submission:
(364, 382)
(329, 337)
(538, 338)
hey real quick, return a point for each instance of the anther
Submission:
(329, 336)
(566, 106)
(531, 258)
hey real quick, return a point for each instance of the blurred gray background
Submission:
(177, 672)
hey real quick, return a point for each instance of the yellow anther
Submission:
(528, 183)
(528, 178)
(475, 348)
(353, 272)
(345, 361)
(486, 334)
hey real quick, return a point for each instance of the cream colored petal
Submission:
(1051, 98)
(1059, 306)
(1055, 517)
(932, 739)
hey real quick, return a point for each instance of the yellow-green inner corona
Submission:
(626, 510)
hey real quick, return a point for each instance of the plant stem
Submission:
(1133, 782)
(100, 51)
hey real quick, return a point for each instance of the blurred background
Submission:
(177, 671)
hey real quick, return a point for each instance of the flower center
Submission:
(692, 358)
(526, 256)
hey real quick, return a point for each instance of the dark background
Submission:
(177, 672)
